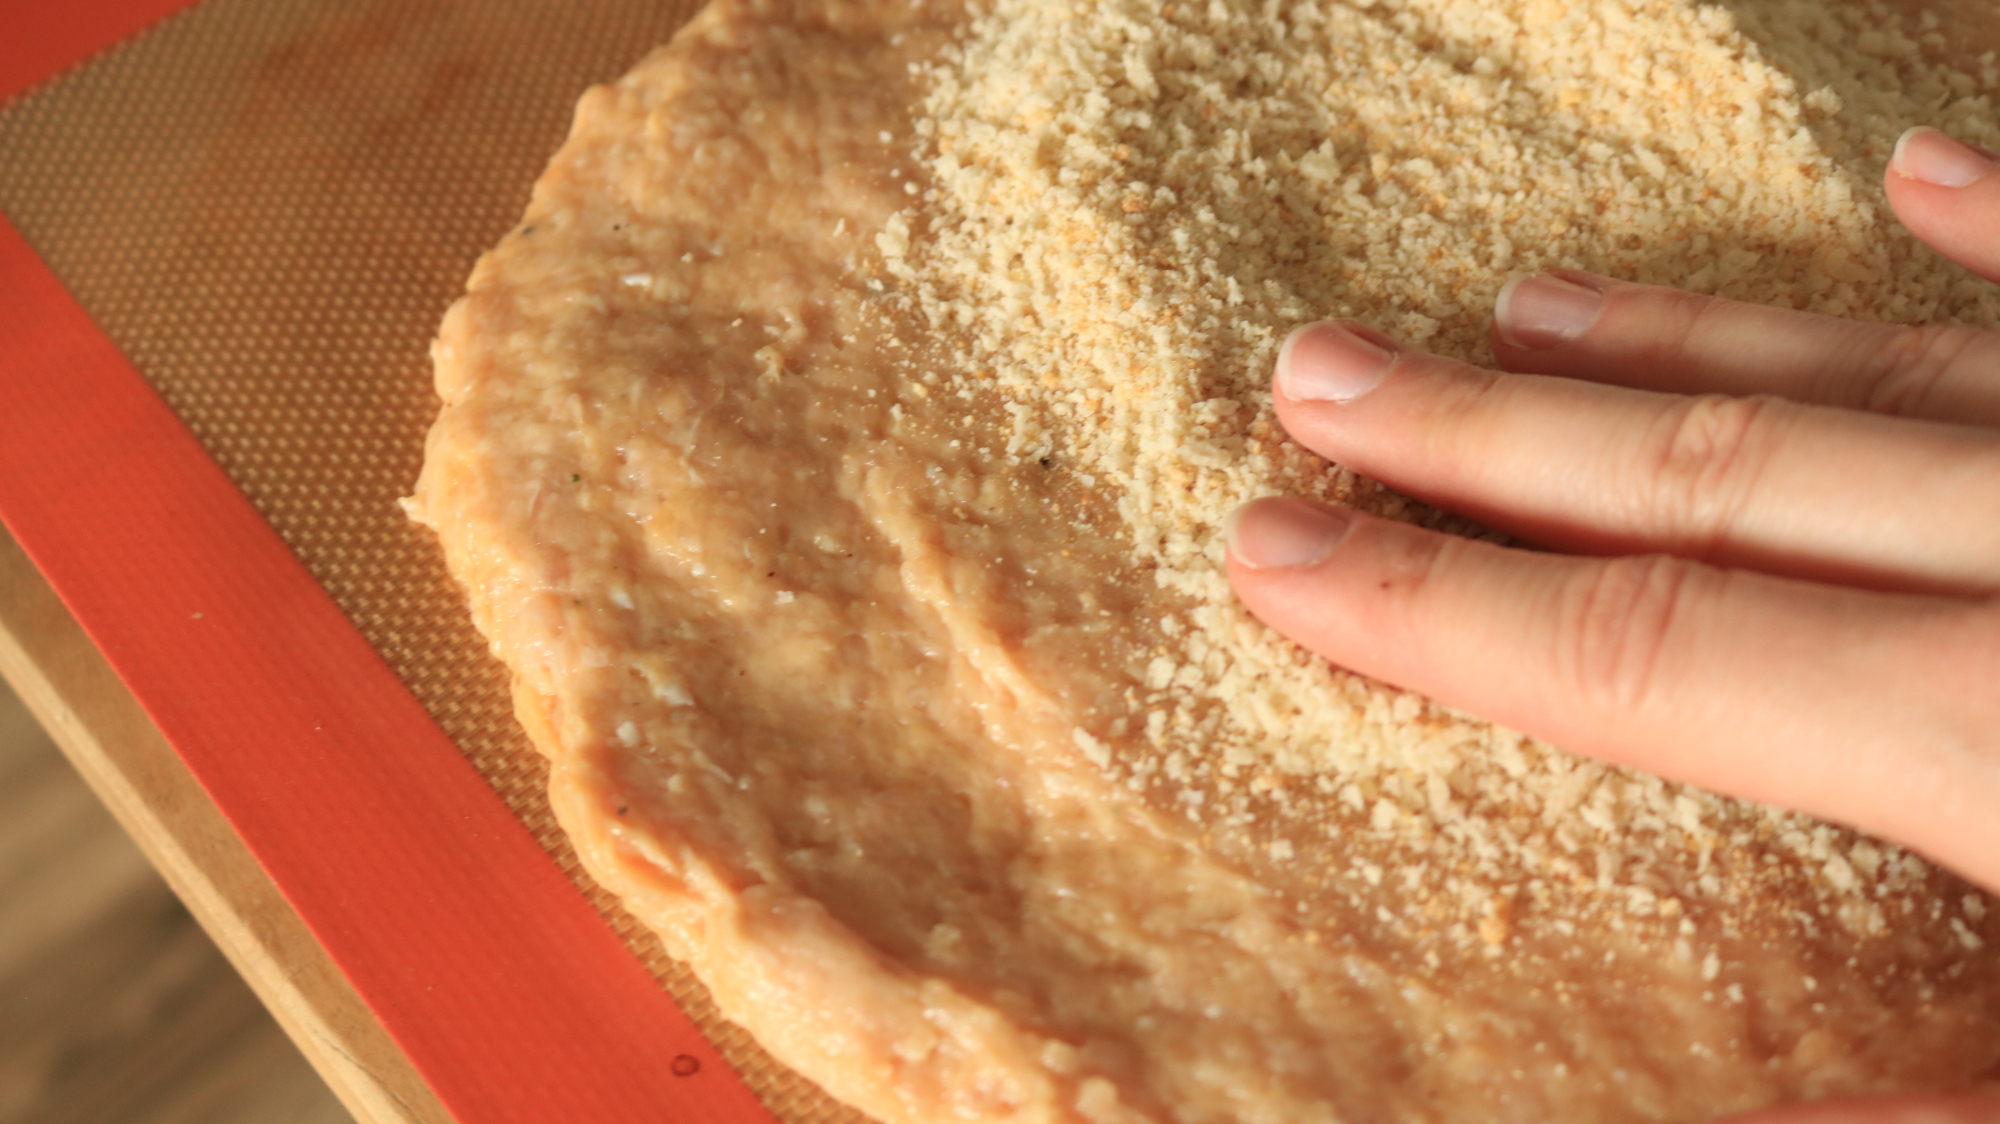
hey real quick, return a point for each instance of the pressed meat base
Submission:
(828, 681)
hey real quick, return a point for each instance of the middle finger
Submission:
(1758, 482)
(1579, 325)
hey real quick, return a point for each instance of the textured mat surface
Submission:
(268, 206)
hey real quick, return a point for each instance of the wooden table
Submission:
(66, 682)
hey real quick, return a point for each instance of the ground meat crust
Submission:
(833, 684)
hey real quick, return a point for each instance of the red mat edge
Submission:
(46, 38)
(493, 973)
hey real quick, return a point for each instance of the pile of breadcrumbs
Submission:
(1132, 202)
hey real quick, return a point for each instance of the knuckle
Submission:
(1706, 459)
(1908, 371)
(1672, 319)
(1617, 622)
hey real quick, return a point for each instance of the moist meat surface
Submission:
(835, 686)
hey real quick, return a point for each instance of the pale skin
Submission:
(1772, 542)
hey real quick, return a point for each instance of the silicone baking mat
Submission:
(266, 205)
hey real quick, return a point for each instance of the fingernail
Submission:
(1278, 532)
(1925, 154)
(1328, 362)
(1544, 310)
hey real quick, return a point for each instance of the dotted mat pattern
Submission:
(268, 205)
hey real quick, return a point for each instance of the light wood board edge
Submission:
(71, 689)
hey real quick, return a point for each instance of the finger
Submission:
(1858, 707)
(1946, 194)
(1582, 326)
(1757, 482)
(1973, 1109)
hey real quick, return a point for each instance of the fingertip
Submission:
(1944, 191)
(1541, 311)
(1285, 350)
(1279, 532)
(1503, 310)
(1278, 550)
(1333, 361)
(1934, 157)
(1405, 605)
(1330, 579)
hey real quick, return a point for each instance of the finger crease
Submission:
(1906, 373)
(1625, 616)
(1709, 458)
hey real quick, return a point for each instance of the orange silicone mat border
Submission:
(45, 37)
(488, 967)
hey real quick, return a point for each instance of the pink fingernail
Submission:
(1328, 362)
(1281, 532)
(1544, 310)
(1925, 154)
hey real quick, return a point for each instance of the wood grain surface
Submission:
(63, 680)
(114, 1007)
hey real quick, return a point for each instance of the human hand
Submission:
(1783, 536)
(1783, 533)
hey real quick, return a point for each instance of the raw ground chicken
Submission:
(835, 455)
(1132, 202)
